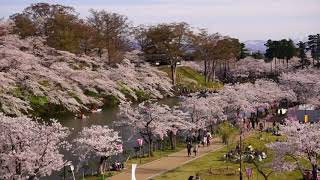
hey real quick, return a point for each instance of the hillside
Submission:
(36, 79)
(188, 77)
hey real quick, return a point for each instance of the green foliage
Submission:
(142, 95)
(44, 83)
(91, 93)
(39, 104)
(227, 132)
(191, 79)
(38, 101)
(73, 95)
(24, 27)
(302, 49)
(17, 92)
(64, 33)
(283, 49)
(243, 51)
(314, 46)
(111, 101)
(214, 166)
(124, 89)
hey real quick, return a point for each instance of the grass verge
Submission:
(191, 79)
(213, 166)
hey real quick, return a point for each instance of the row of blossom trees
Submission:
(305, 83)
(152, 120)
(31, 149)
(250, 67)
(34, 76)
(234, 100)
(155, 121)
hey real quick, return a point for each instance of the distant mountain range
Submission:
(255, 45)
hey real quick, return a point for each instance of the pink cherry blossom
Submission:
(29, 149)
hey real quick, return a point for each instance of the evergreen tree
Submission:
(302, 53)
(290, 51)
(314, 46)
(243, 52)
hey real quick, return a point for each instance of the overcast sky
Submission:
(243, 19)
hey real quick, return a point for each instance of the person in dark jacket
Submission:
(189, 147)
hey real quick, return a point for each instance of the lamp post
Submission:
(140, 143)
(240, 149)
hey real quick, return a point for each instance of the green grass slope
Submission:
(191, 79)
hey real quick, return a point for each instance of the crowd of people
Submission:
(196, 139)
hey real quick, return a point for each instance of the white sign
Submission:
(306, 107)
(133, 174)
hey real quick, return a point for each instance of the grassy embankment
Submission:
(191, 79)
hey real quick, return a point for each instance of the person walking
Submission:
(195, 149)
(204, 140)
(208, 138)
(189, 147)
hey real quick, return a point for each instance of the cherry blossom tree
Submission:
(97, 142)
(177, 120)
(204, 111)
(305, 83)
(258, 67)
(153, 120)
(30, 149)
(302, 144)
(30, 69)
(233, 100)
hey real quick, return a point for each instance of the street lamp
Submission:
(240, 148)
(140, 143)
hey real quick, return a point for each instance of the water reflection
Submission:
(106, 117)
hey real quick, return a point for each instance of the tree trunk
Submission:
(150, 147)
(214, 70)
(287, 63)
(101, 165)
(173, 72)
(314, 171)
(99, 52)
(206, 70)
(172, 140)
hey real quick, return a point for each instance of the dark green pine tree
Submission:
(313, 45)
(243, 52)
(270, 51)
(302, 53)
(290, 51)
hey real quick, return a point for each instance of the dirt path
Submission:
(164, 164)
